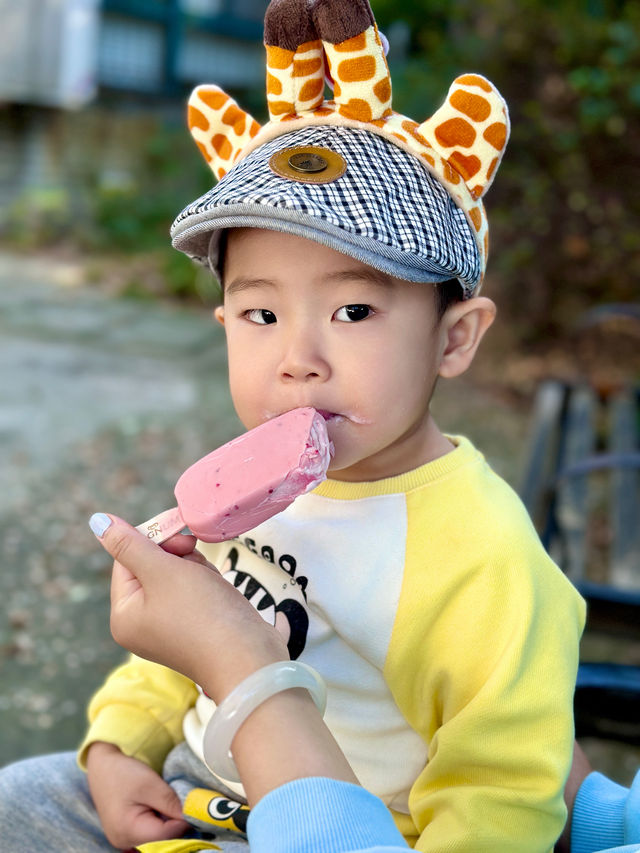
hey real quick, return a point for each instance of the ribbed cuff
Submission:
(598, 815)
(318, 815)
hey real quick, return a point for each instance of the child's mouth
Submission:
(328, 416)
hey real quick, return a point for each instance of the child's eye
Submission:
(352, 313)
(260, 316)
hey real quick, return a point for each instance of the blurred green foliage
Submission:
(565, 209)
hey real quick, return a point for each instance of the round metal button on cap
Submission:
(307, 162)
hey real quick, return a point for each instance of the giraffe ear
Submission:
(220, 128)
(470, 131)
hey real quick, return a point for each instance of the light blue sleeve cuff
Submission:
(318, 815)
(632, 813)
(605, 815)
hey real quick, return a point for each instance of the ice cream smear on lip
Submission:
(249, 479)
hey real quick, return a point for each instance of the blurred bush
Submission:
(565, 208)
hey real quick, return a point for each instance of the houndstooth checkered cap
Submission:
(385, 210)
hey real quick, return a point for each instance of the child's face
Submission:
(308, 326)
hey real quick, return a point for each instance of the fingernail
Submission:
(99, 523)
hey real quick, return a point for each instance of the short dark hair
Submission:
(447, 293)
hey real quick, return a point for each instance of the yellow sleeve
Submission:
(140, 709)
(482, 662)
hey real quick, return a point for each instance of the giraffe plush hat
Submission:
(349, 172)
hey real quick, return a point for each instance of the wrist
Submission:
(98, 750)
(219, 681)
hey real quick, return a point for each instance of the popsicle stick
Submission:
(163, 526)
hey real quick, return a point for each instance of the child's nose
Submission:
(303, 360)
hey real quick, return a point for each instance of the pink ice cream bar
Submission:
(248, 480)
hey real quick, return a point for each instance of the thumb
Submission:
(138, 554)
(161, 797)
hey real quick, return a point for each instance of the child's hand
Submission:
(133, 803)
(180, 612)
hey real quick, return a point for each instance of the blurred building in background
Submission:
(78, 77)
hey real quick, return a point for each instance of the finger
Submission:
(201, 560)
(148, 826)
(180, 545)
(129, 547)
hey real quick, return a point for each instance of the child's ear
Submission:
(219, 314)
(464, 325)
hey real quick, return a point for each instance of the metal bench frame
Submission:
(576, 435)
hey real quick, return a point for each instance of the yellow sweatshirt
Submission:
(447, 637)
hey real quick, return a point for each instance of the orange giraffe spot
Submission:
(203, 151)
(215, 100)
(255, 127)
(492, 167)
(450, 173)
(222, 146)
(455, 131)
(352, 45)
(428, 158)
(305, 47)
(197, 119)
(467, 166)
(357, 109)
(476, 218)
(235, 118)
(496, 135)
(379, 122)
(221, 172)
(281, 108)
(306, 67)
(322, 111)
(486, 244)
(382, 90)
(357, 70)
(278, 57)
(311, 90)
(237, 154)
(477, 191)
(474, 80)
(274, 86)
(401, 137)
(337, 91)
(474, 106)
(412, 128)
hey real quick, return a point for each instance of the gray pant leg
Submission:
(45, 805)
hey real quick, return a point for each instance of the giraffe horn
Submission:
(220, 128)
(355, 57)
(295, 60)
(470, 131)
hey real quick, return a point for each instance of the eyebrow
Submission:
(367, 275)
(241, 283)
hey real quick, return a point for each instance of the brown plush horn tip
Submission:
(288, 24)
(339, 20)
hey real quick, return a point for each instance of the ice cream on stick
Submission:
(248, 480)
